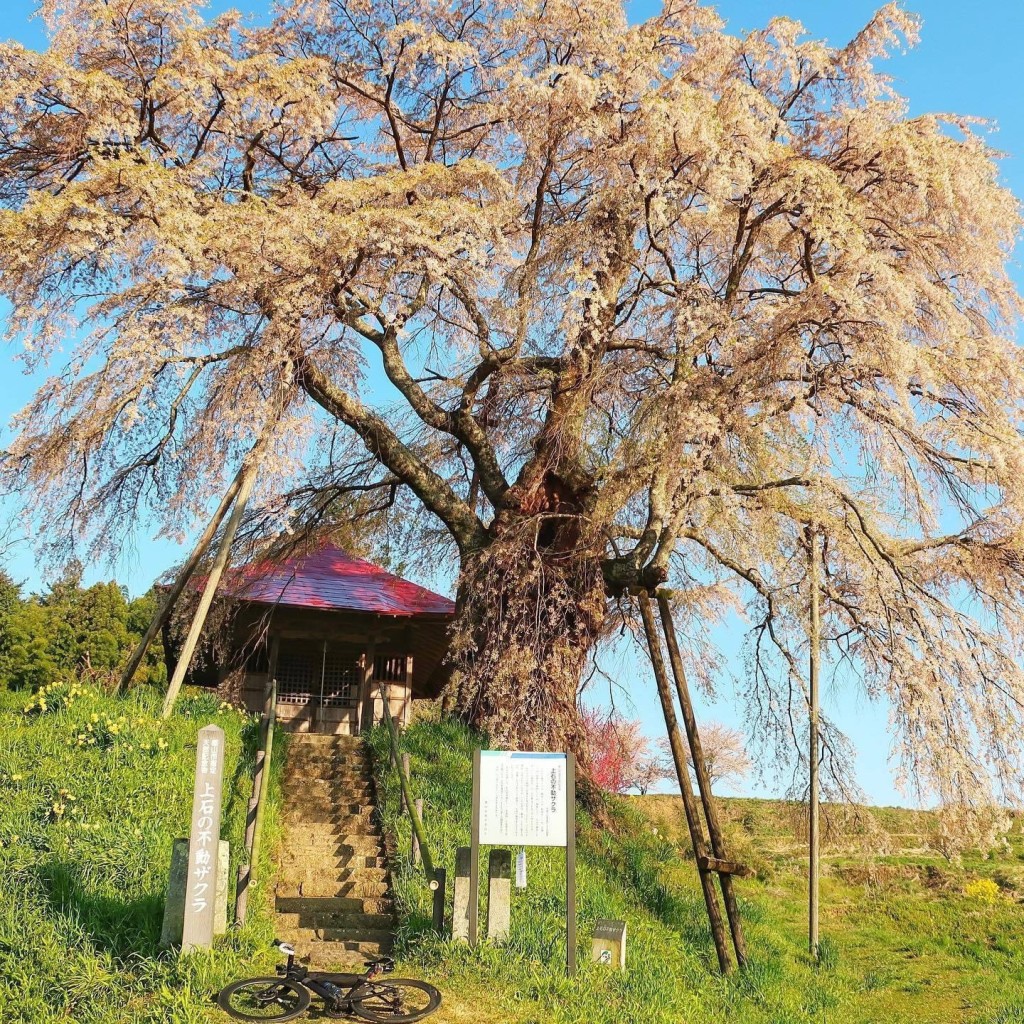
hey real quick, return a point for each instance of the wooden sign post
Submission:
(522, 798)
(204, 841)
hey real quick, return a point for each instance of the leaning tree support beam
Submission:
(814, 852)
(689, 802)
(249, 472)
(184, 575)
(700, 769)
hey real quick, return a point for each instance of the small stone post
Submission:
(499, 894)
(460, 909)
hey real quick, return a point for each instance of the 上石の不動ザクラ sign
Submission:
(522, 798)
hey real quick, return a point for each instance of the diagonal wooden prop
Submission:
(715, 861)
(693, 822)
(700, 767)
(180, 582)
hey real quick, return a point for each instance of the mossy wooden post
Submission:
(415, 841)
(406, 792)
(216, 571)
(245, 869)
(441, 878)
(813, 810)
(184, 575)
(261, 807)
(689, 802)
(700, 769)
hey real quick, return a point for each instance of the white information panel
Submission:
(522, 798)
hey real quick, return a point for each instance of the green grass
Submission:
(901, 941)
(82, 888)
(92, 793)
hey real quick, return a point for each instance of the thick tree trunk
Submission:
(531, 606)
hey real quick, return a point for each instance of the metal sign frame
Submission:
(570, 859)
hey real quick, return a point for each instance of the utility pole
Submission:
(815, 658)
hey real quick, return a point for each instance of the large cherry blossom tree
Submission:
(649, 299)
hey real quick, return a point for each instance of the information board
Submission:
(522, 798)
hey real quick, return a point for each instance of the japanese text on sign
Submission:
(522, 798)
(204, 842)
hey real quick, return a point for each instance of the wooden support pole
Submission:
(216, 571)
(406, 791)
(700, 769)
(441, 877)
(366, 698)
(415, 839)
(245, 868)
(814, 851)
(184, 575)
(402, 800)
(689, 803)
(474, 855)
(264, 782)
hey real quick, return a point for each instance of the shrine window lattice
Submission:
(330, 674)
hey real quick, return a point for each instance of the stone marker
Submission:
(609, 945)
(460, 907)
(204, 841)
(174, 907)
(499, 894)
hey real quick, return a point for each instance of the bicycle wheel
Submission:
(263, 999)
(399, 1001)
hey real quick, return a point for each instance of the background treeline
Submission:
(88, 632)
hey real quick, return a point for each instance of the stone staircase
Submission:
(333, 891)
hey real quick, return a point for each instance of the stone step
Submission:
(344, 924)
(346, 824)
(324, 834)
(357, 808)
(338, 955)
(361, 884)
(366, 940)
(332, 842)
(297, 869)
(326, 784)
(319, 905)
(339, 763)
(314, 739)
(328, 787)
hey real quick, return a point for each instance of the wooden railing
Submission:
(257, 805)
(436, 877)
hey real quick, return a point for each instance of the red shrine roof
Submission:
(330, 578)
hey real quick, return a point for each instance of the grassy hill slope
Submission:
(93, 790)
(902, 940)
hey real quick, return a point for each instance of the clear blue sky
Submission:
(968, 62)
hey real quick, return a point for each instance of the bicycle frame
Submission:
(334, 991)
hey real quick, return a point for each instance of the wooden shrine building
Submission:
(331, 628)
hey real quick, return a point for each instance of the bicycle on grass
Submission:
(397, 1001)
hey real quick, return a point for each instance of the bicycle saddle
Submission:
(286, 948)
